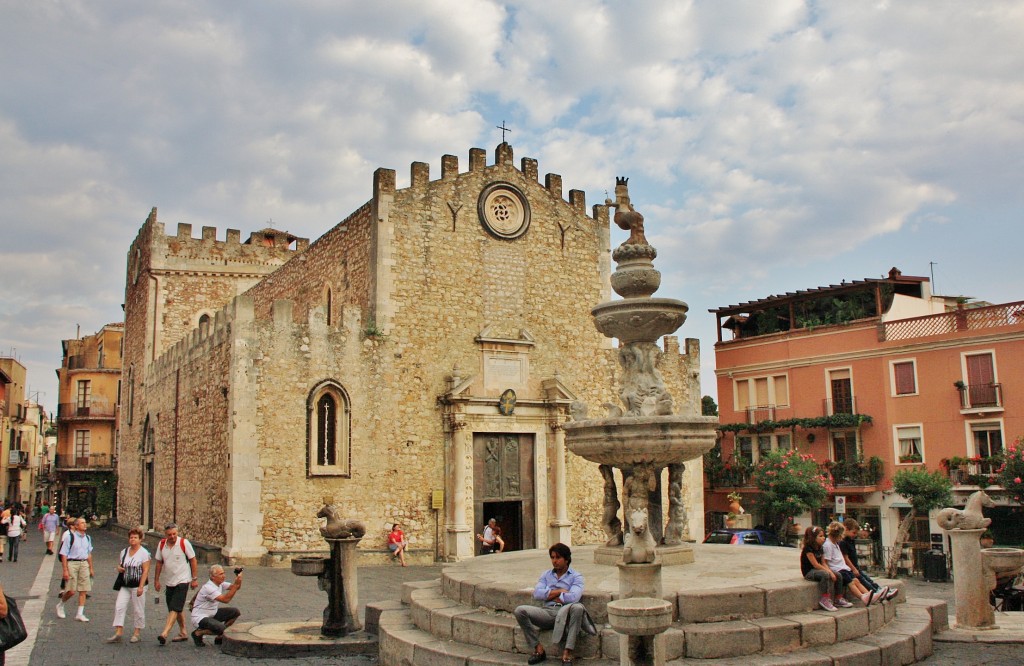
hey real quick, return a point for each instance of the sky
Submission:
(771, 146)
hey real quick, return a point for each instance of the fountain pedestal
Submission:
(640, 622)
(340, 616)
(973, 611)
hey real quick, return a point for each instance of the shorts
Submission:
(49, 535)
(218, 623)
(175, 597)
(79, 579)
(846, 575)
(392, 547)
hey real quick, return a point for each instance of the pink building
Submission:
(870, 377)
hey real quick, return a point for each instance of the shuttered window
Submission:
(903, 375)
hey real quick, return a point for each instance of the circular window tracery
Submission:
(504, 210)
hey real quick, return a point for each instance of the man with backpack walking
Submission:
(176, 562)
(76, 559)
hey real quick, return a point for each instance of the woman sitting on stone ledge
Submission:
(813, 567)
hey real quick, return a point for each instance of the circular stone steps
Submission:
(464, 618)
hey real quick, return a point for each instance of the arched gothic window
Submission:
(328, 419)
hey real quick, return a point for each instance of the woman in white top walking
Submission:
(133, 565)
(15, 531)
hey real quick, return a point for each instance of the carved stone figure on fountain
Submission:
(627, 217)
(678, 523)
(338, 527)
(968, 518)
(643, 390)
(610, 519)
(640, 547)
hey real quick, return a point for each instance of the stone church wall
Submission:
(416, 282)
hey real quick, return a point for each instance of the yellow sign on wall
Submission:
(437, 500)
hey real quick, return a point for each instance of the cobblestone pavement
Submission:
(269, 594)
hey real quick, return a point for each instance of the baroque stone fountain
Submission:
(640, 438)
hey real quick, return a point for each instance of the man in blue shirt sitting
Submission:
(559, 590)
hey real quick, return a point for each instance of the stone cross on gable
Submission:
(503, 130)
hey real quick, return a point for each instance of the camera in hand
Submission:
(239, 570)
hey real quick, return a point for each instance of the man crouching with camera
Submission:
(208, 615)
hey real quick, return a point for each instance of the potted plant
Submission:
(912, 458)
(730, 520)
(959, 385)
(734, 503)
(987, 540)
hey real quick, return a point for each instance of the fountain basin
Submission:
(309, 566)
(1003, 562)
(640, 616)
(639, 319)
(658, 440)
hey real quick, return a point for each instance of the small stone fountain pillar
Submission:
(337, 573)
(965, 527)
(340, 616)
(973, 610)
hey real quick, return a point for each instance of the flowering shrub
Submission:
(1011, 472)
(790, 483)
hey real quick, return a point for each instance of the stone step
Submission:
(902, 641)
(733, 603)
(448, 620)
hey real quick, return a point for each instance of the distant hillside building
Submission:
(12, 419)
(415, 363)
(89, 385)
(870, 377)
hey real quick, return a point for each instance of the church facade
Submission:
(415, 364)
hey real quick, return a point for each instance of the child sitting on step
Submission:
(813, 567)
(837, 563)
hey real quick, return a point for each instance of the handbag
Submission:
(119, 581)
(12, 627)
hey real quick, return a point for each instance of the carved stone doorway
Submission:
(503, 484)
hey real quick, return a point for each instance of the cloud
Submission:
(765, 142)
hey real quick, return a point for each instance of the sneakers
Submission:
(60, 610)
(826, 603)
(81, 618)
(843, 603)
(198, 639)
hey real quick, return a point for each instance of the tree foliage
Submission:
(925, 491)
(790, 483)
(708, 406)
(1011, 472)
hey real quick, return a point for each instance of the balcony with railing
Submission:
(962, 319)
(91, 410)
(985, 396)
(759, 413)
(17, 458)
(839, 405)
(980, 472)
(90, 461)
(855, 473)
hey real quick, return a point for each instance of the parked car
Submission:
(744, 536)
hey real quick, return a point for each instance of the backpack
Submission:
(181, 541)
(71, 539)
